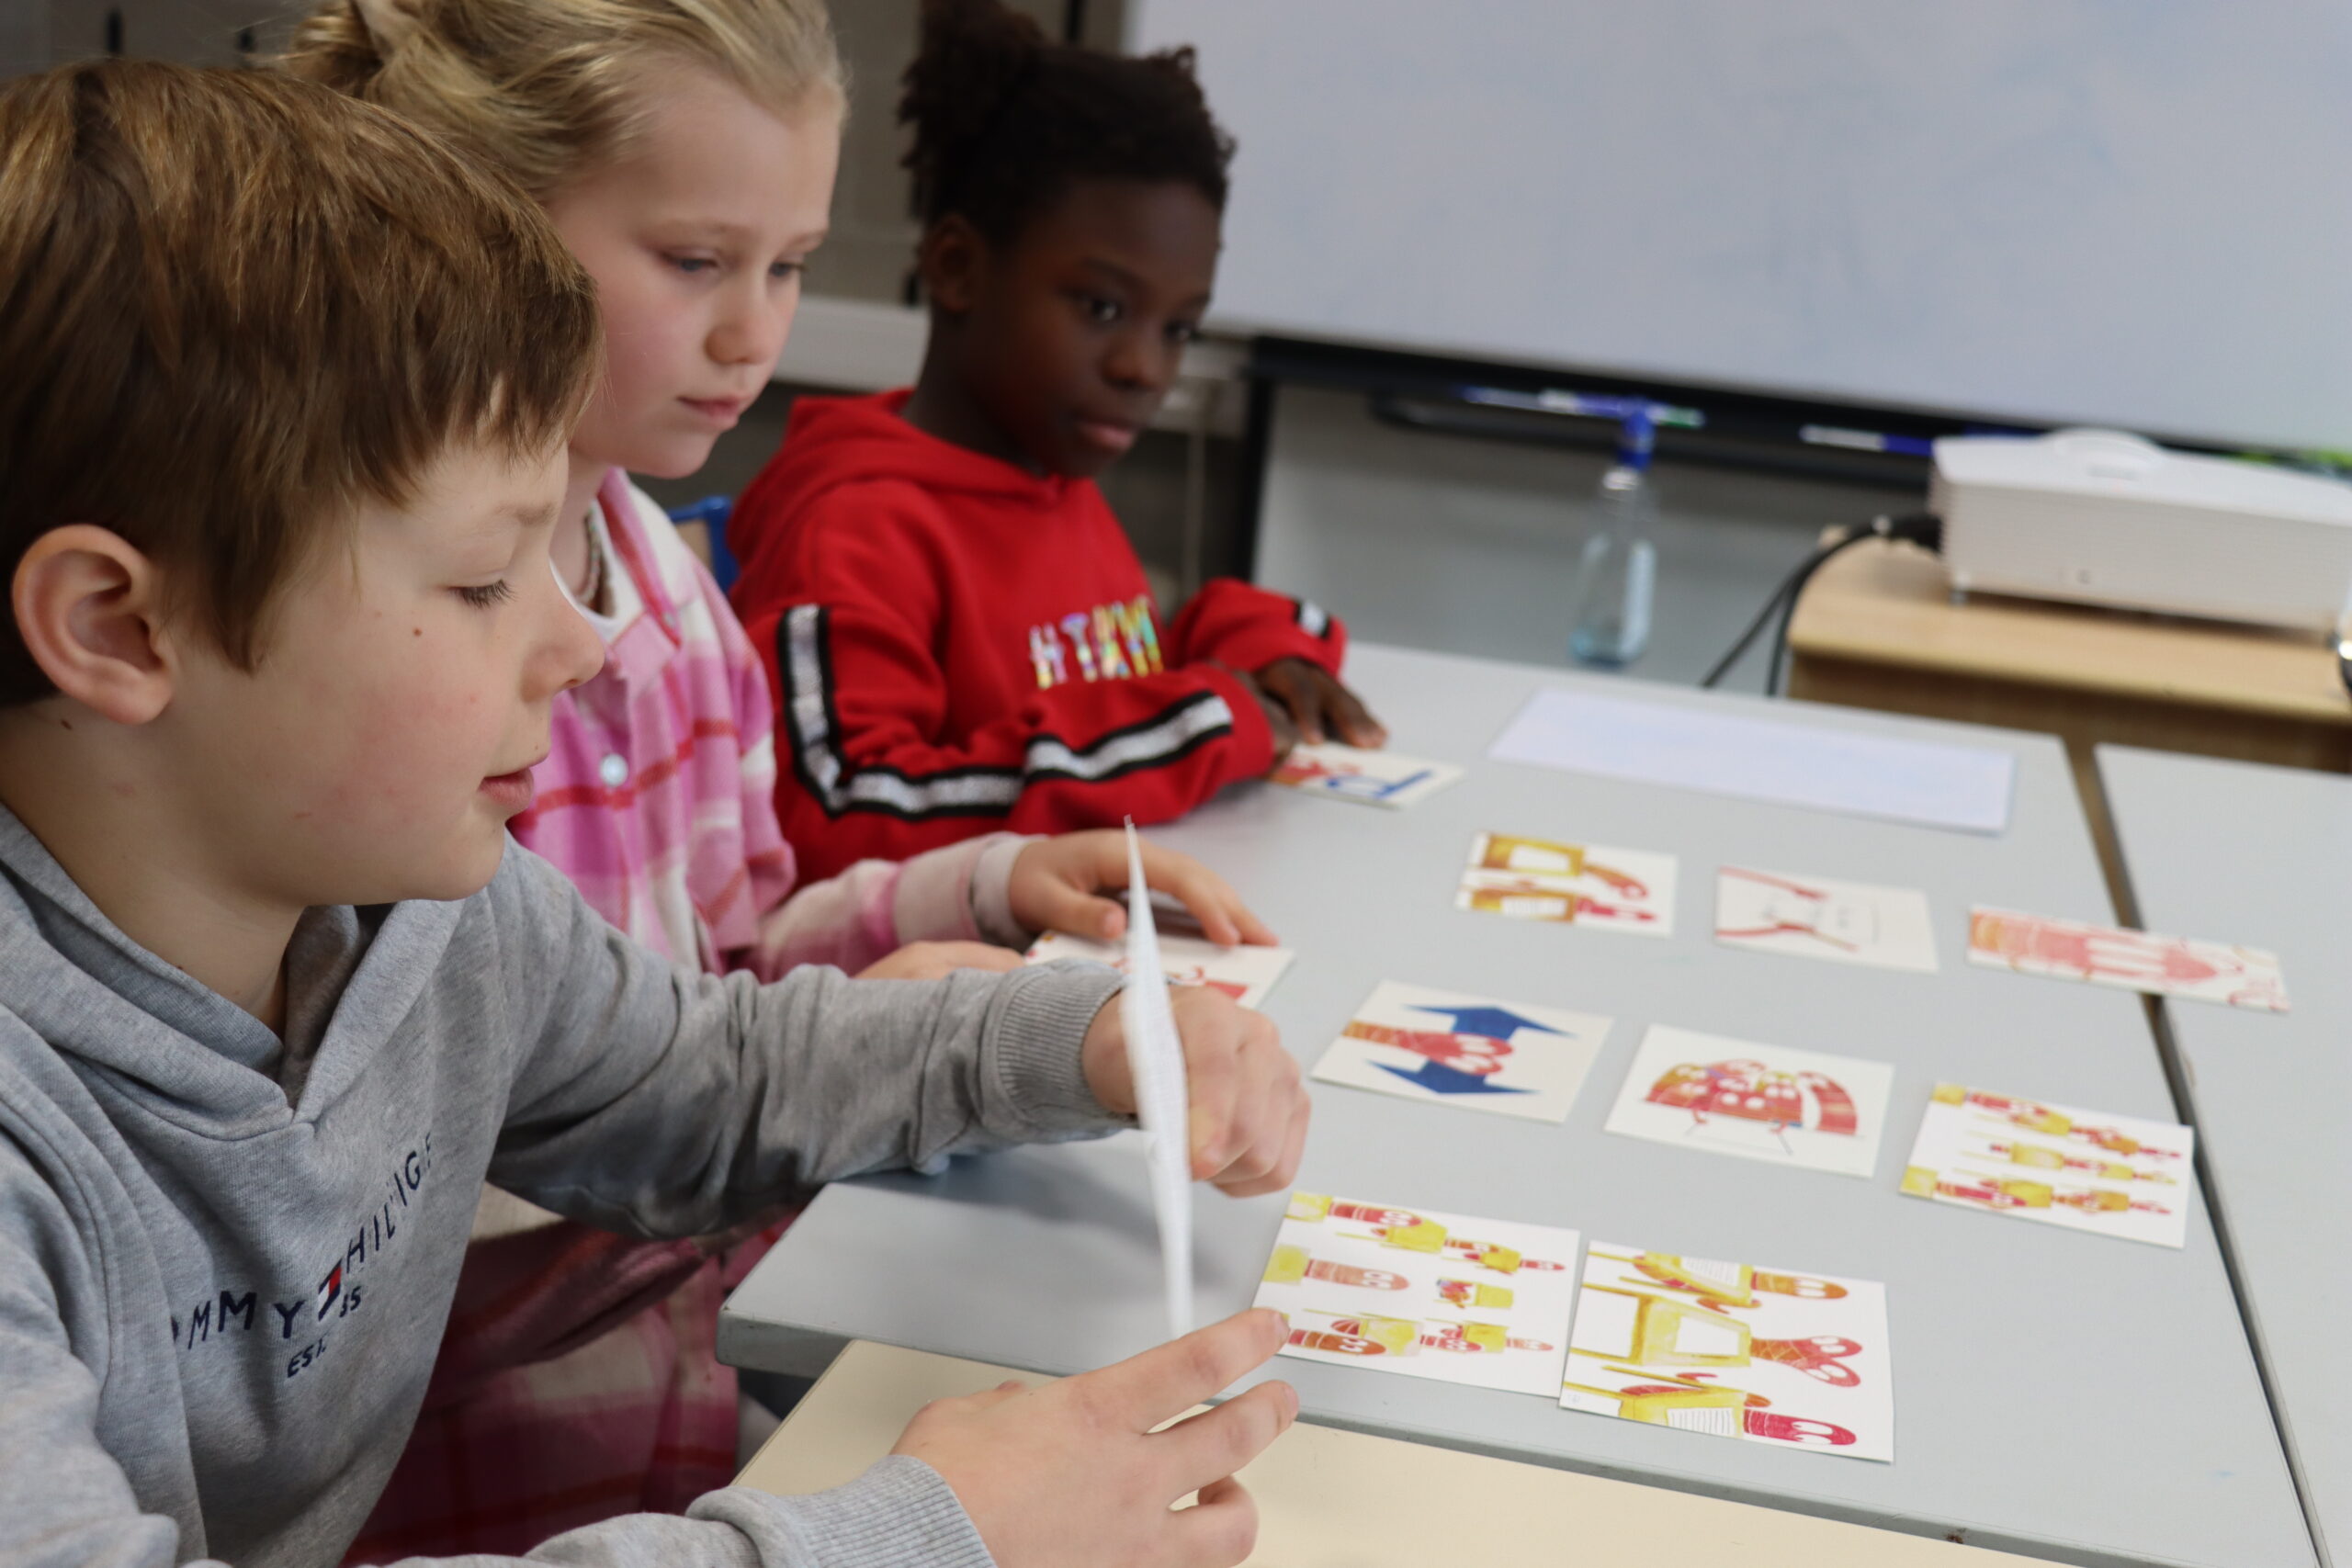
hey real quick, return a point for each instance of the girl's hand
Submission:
(1059, 884)
(1319, 706)
(937, 960)
(1071, 1476)
(1249, 1109)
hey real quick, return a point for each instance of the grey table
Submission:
(2072, 1396)
(2235, 852)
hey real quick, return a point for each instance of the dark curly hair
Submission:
(1005, 121)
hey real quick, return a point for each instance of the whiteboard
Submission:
(2133, 212)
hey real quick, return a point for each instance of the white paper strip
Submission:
(1156, 1062)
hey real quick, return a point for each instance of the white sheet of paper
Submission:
(1245, 973)
(1761, 1102)
(1156, 1062)
(1423, 1294)
(1371, 778)
(2087, 1170)
(1584, 885)
(2132, 961)
(1812, 917)
(1472, 1053)
(1924, 782)
(1733, 1351)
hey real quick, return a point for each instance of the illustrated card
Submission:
(2088, 1171)
(1245, 973)
(1763, 1102)
(1812, 917)
(1734, 1351)
(1423, 1294)
(1585, 885)
(1373, 778)
(2132, 961)
(1469, 1052)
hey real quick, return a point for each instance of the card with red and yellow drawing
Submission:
(1584, 885)
(2087, 1170)
(1733, 1350)
(1763, 1102)
(1423, 1294)
(1245, 973)
(2129, 960)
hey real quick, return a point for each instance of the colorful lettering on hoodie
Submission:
(959, 646)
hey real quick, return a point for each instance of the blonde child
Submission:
(685, 150)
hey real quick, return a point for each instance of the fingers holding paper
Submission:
(1249, 1107)
(1076, 1471)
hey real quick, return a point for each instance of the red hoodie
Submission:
(962, 647)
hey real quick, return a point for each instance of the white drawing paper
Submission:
(1772, 1103)
(1708, 746)
(1371, 778)
(1813, 916)
(1423, 1294)
(1156, 1063)
(1584, 885)
(1471, 1053)
(2087, 1170)
(1733, 1350)
(1245, 973)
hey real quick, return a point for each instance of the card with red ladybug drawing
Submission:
(1471, 1053)
(1583, 884)
(1423, 1294)
(1763, 1102)
(1733, 1350)
(1812, 917)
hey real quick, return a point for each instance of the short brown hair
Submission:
(234, 307)
(546, 90)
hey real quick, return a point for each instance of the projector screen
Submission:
(2128, 212)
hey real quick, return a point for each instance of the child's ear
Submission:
(89, 607)
(952, 258)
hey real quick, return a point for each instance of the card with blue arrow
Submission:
(1470, 1053)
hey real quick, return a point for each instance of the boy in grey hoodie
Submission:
(284, 392)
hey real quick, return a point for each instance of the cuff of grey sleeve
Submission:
(1032, 1051)
(899, 1514)
(992, 892)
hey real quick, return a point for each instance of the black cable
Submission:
(1922, 528)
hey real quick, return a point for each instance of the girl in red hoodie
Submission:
(961, 638)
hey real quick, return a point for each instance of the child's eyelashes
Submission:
(482, 596)
(694, 266)
(1102, 311)
(1184, 332)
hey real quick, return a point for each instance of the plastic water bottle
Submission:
(1616, 579)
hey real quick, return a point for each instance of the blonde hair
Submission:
(546, 90)
(234, 308)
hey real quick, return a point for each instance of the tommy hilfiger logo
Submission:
(1110, 642)
(336, 1295)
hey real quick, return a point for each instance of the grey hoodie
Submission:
(225, 1259)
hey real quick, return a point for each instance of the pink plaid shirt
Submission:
(575, 1380)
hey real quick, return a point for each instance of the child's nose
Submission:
(752, 332)
(570, 652)
(1142, 361)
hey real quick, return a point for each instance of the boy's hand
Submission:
(1249, 1108)
(1071, 1476)
(937, 960)
(1278, 717)
(1057, 885)
(1319, 706)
